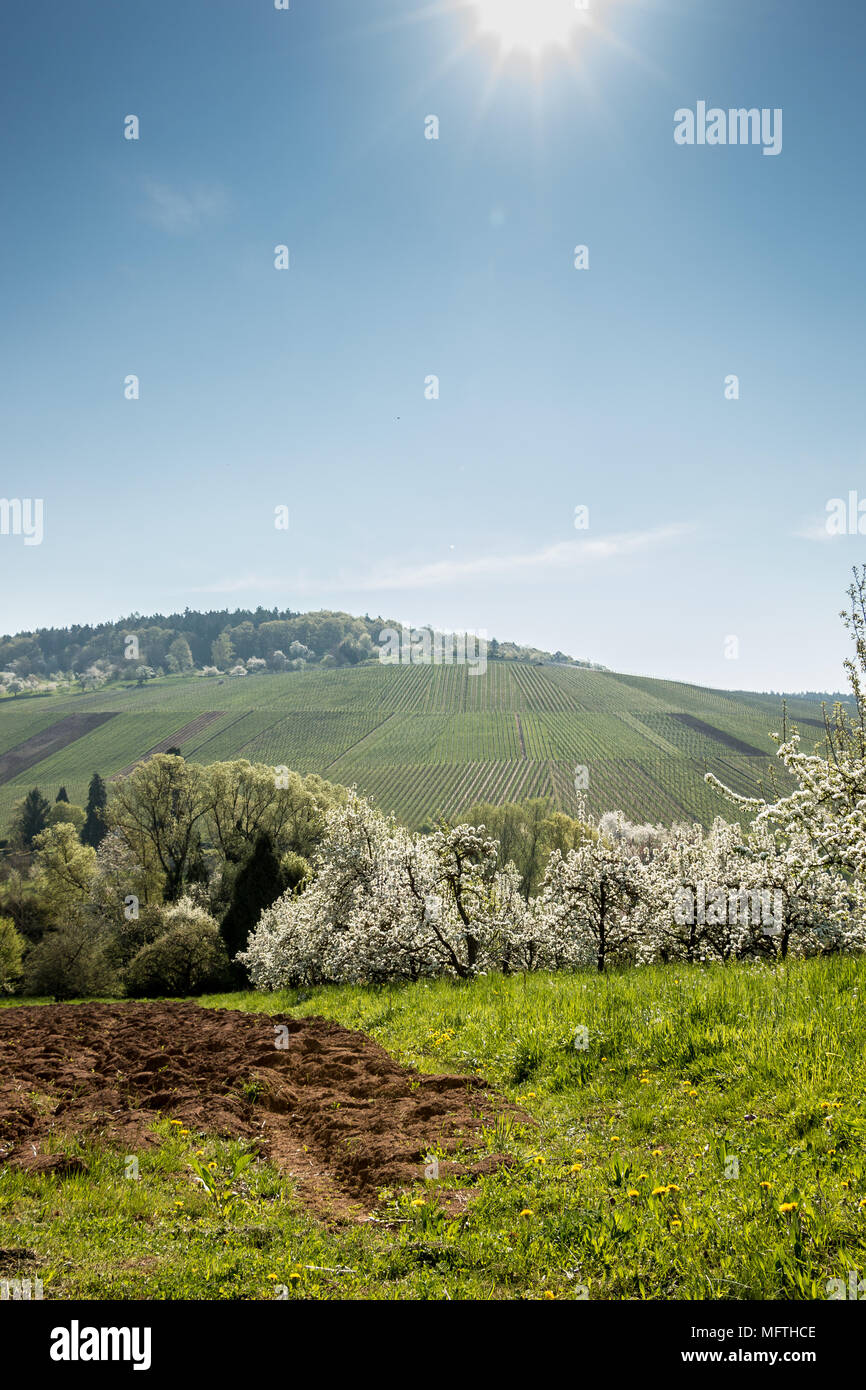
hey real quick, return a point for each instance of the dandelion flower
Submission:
(527, 1211)
(766, 1186)
(675, 1225)
(788, 1206)
(659, 1192)
(633, 1192)
(576, 1168)
(548, 1293)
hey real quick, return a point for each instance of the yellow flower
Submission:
(657, 1153)
(659, 1192)
(419, 1202)
(527, 1212)
(604, 1059)
(272, 1276)
(693, 1093)
(642, 1177)
(861, 1205)
(788, 1206)
(184, 1131)
(672, 1187)
(539, 1158)
(576, 1168)
(614, 1138)
(675, 1225)
(633, 1192)
(549, 1294)
(644, 1081)
(766, 1186)
(846, 1184)
(211, 1167)
(295, 1275)
(175, 1122)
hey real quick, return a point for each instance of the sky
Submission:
(706, 556)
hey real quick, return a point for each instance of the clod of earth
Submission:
(328, 1105)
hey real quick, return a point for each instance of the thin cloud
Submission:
(814, 531)
(550, 561)
(553, 559)
(177, 210)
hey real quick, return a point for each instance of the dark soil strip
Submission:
(173, 741)
(358, 742)
(328, 1105)
(520, 736)
(51, 740)
(710, 731)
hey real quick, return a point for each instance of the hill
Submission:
(177, 642)
(422, 741)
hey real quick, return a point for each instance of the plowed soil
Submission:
(328, 1105)
(48, 741)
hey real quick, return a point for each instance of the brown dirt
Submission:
(331, 1107)
(175, 740)
(51, 740)
(736, 745)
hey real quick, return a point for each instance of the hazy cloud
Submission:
(539, 564)
(183, 210)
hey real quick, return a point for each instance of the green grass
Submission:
(686, 1070)
(427, 741)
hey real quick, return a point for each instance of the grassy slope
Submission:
(426, 741)
(686, 1069)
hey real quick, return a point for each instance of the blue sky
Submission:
(412, 257)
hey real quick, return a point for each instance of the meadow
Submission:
(703, 1140)
(424, 741)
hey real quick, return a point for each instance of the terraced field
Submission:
(427, 741)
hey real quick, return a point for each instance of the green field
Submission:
(427, 741)
(707, 1144)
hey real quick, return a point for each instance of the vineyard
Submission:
(428, 741)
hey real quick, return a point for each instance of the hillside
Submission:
(421, 741)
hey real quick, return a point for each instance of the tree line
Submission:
(180, 642)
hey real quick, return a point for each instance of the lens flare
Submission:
(530, 26)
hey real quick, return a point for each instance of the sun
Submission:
(530, 26)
